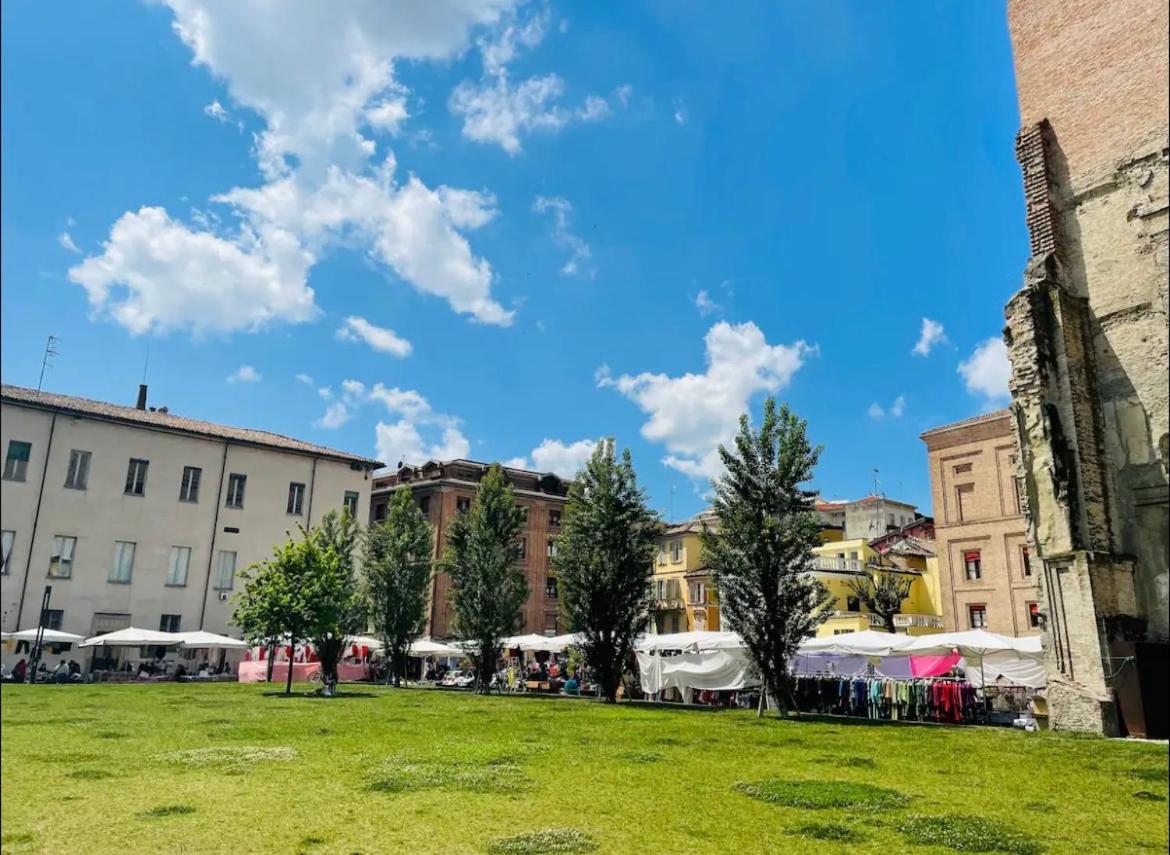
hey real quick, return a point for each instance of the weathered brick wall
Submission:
(1096, 69)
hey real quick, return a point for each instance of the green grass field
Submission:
(229, 768)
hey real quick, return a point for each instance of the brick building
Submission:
(987, 578)
(1087, 338)
(444, 489)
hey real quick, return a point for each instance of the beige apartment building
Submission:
(987, 578)
(138, 516)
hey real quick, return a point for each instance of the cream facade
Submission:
(988, 578)
(103, 503)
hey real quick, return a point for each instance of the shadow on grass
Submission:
(548, 840)
(826, 831)
(167, 810)
(314, 696)
(816, 795)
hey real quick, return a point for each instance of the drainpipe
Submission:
(36, 519)
(214, 530)
(312, 483)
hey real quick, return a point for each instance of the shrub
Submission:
(168, 810)
(836, 833)
(968, 834)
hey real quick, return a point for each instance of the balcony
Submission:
(874, 620)
(666, 604)
(919, 621)
(838, 565)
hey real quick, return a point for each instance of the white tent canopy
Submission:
(531, 642)
(209, 640)
(718, 669)
(867, 643)
(133, 637)
(365, 641)
(426, 647)
(973, 644)
(51, 636)
(690, 642)
(559, 642)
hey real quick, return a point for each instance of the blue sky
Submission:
(503, 231)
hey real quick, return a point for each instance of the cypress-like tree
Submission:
(398, 561)
(482, 559)
(761, 553)
(603, 561)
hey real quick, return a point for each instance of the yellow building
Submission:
(682, 597)
(837, 563)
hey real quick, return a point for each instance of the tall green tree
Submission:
(760, 555)
(603, 561)
(341, 606)
(883, 590)
(482, 559)
(398, 564)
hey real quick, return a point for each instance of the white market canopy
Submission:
(867, 643)
(974, 644)
(51, 636)
(209, 640)
(426, 647)
(690, 642)
(133, 637)
(531, 642)
(364, 641)
(571, 639)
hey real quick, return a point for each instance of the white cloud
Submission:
(336, 414)
(216, 111)
(680, 112)
(379, 338)
(245, 374)
(579, 251)
(496, 110)
(932, 334)
(66, 241)
(895, 410)
(318, 77)
(304, 378)
(623, 94)
(987, 370)
(694, 413)
(552, 455)
(157, 275)
(705, 304)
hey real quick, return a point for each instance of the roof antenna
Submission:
(50, 351)
(146, 362)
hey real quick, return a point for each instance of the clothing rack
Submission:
(938, 699)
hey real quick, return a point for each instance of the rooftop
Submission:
(166, 421)
(994, 415)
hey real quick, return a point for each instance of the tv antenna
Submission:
(50, 351)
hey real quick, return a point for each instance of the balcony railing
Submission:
(667, 604)
(922, 621)
(830, 562)
(874, 620)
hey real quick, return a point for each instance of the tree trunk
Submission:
(271, 658)
(288, 680)
(890, 624)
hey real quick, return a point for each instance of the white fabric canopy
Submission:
(200, 639)
(690, 642)
(726, 669)
(897, 666)
(364, 641)
(133, 637)
(50, 636)
(426, 647)
(867, 643)
(562, 641)
(532, 641)
(1009, 668)
(974, 643)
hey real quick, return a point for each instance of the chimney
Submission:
(141, 405)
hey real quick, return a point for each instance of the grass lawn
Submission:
(228, 768)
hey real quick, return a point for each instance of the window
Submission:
(977, 616)
(235, 490)
(77, 478)
(523, 509)
(424, 505)
(189, 489)
(963, 468)
(226, 576)
(61, 558)
(852, 604)
(1034, 615)
(296, 498)
(675, 551)
(973, 562)
(964, 493)
(660, 589)
(1018, 493)
(462, 504)
(1025, 561)
(123, 567)
(550, 624)
(380, 512)
(7, 539)
(52, 618)
(674, 623)
(523, 548)
(698, 593)
(853, 555)
(662, 553)
(16, 464)
(136, 477)
(180, 563)
(554, 519)
(350, 503)
(551, 548)
(170, 623)
(550, 587)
